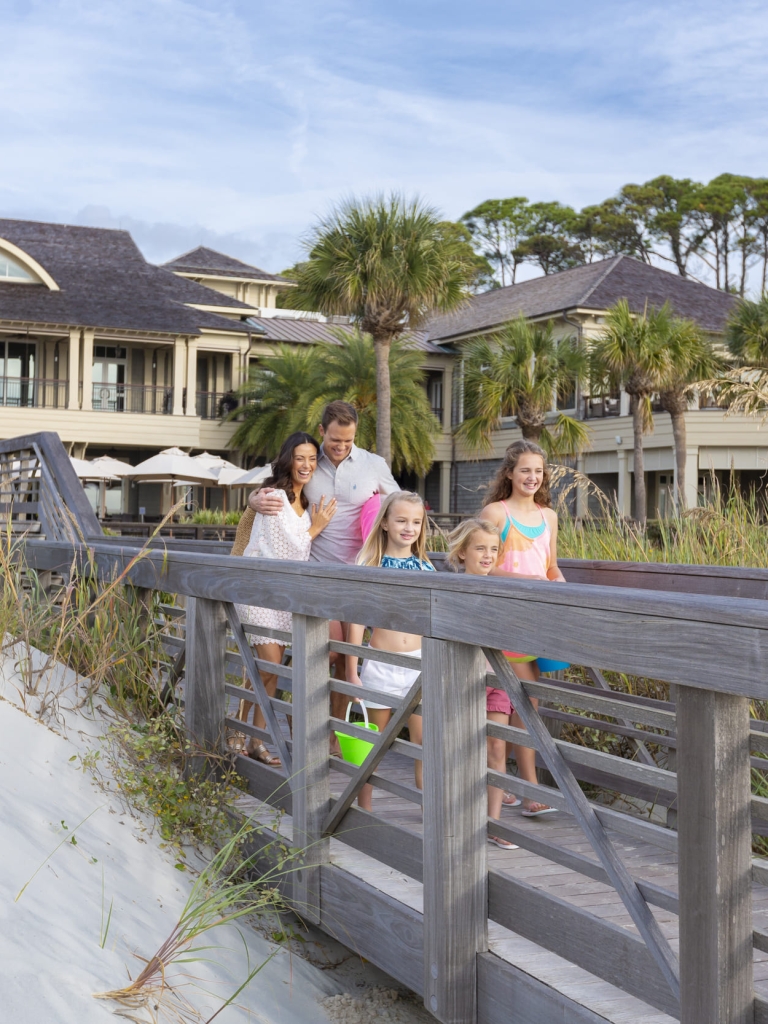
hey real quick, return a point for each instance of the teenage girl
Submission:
(474, 546)
(398, 540)
(518, 504)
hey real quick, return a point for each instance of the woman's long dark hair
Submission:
(281, 477)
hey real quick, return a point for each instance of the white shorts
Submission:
(389, 679)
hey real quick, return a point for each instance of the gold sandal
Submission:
(260, 753)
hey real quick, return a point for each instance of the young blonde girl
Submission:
(398, 540)
(474, 547)
(519, 505)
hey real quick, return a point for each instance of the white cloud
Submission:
(197, 121)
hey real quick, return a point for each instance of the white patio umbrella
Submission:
(91, 471)
(214, 463)
(108, 469)
(113, 467)
(175, 467)
(217, 465)
(253, 476)
(83, 468)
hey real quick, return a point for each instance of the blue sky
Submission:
(235, 124)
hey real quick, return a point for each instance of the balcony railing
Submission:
(214, 405)
(598, 408)
(132, 398)
(33, 393)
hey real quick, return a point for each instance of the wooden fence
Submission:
(688, 945)
(687, 640)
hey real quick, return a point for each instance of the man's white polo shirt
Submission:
(361, 475)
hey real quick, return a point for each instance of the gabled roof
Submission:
(105, 282)
(594, 286)
(207, 261)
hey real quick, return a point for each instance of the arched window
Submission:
(10, 270)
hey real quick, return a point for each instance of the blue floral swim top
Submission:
(411, 562)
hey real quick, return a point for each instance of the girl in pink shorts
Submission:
(518, 504)
(475, 546)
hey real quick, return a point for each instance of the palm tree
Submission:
(278, 395)
(349, 373)
(287, 391)
(747, 332)
(632, 352)
(692, 358)
(520, 372)
(389, 264)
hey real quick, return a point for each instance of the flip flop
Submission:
(538, 814)
(510, 800)
(502, 843)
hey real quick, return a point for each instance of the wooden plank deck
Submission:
(579, 989)
(644, 861)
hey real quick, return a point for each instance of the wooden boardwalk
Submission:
(600, 915)
(599, 999)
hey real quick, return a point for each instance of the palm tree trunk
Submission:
(675, 403)
(641, 512)
(383, 400)
(531, 432)
(679, 434)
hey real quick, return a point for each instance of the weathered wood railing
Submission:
(712, 649)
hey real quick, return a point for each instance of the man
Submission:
(351, 475)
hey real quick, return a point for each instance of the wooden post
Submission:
(714, 836)
(310, 783)
(455, 821)
(204, 695)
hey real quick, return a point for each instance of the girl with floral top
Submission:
(287, 535)
(398, 540)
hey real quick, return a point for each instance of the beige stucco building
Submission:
(126, 358)
(575, 302)
(122, 357)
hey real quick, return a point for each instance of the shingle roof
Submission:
(105, 282)
(593, 286)
(310, 332)
(207, 261)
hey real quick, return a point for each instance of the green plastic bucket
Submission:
(352, 749)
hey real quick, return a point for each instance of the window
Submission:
(10, 270)
(434, 385)
(17, 371)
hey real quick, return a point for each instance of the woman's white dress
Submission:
(284, 536)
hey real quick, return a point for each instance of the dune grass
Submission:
(729, 529)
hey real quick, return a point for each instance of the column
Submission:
(447, 398)
(73, 369)
(691, 495)
(445, 486)
(191, 409)
(455, 827)
(204, 696)
(715, 857)
(179, 367)
(582, 495)
(624, 403)
(88, 368)
(311, 770)
(624, 497)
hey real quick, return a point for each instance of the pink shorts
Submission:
(498, 701)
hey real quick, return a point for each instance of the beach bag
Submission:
(368, 514)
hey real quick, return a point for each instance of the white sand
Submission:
(50, 944)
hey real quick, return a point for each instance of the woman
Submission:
(289, 535)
